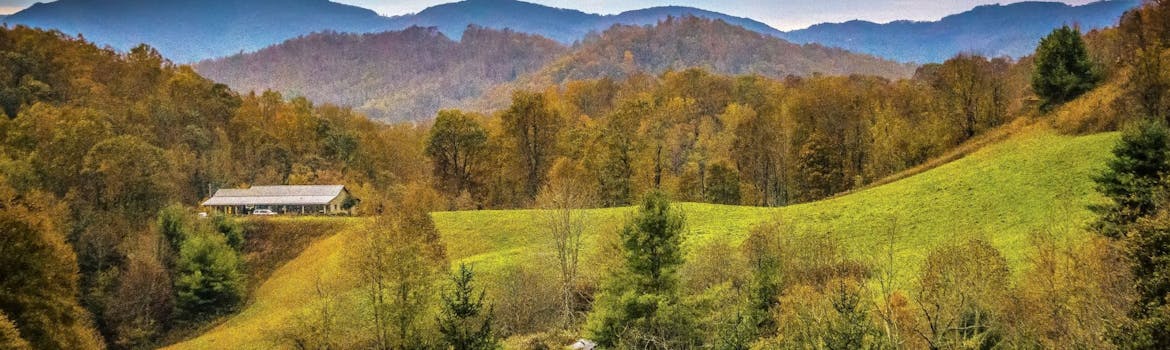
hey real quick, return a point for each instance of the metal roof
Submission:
(276, 195)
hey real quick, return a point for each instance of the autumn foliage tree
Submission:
(531, 125)
(456, 146)
(38, 292)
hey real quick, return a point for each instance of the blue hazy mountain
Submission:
(563, 25)
(991, 30)
(193, 30)
(190, 30)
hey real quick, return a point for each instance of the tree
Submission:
(464, 323)
(722, 185)
(640, 305)
(619, 149)
(455, 145)
(1064, 69)
(38, 291)
(1145, 35)
(972, 92)
(762, 249)
(821, 170)
(397, 263)
(1134, 177)
(563, 200)
(759, 154)
(960, 290)
(532, 125)
(128, 175)
(208, 279)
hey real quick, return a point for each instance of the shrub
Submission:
(209, 280)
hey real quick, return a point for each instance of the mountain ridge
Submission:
(230, 27)
(397, 80)
(1018, 28)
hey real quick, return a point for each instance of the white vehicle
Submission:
(263, 212)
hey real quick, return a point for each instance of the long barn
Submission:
(303, 199)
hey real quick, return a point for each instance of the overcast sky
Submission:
(782, 14)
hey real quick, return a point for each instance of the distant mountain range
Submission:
(411, 74)
(992, 30)
(192, 30)
(563, 25)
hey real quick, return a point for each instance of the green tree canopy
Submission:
(1133, 177)
(1063, 68)
(640, 305)
(464, 323)
(209, 280)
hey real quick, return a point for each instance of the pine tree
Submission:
(640, 306)
(1063, 70)
(464, 324)
(1133, 177)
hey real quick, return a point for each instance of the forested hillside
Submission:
(686, 42)
(392, 76)
(190, 31)
(563, 25)
(94, 143)
(410, 75)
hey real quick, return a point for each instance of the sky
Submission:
(781, 14)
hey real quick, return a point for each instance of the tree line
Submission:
(710, 138)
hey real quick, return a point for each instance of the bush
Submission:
(209, 281)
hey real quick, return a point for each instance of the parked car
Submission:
(263, 212)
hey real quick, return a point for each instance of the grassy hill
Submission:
(1033, 181)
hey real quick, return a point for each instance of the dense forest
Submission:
(95, 142)
(104, 153)
(392, 76)
(409, 75)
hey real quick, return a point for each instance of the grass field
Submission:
(1033, 181)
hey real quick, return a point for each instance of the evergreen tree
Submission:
(1133, 177)
(1139, 218)
(209, 280)
(1063, 68)
(640, 306)
(464, 324)
(1148, 252)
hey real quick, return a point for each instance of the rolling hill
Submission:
(411, 74)
(391, 76)
(680, 43)
(1033, 180)
(991, 30)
